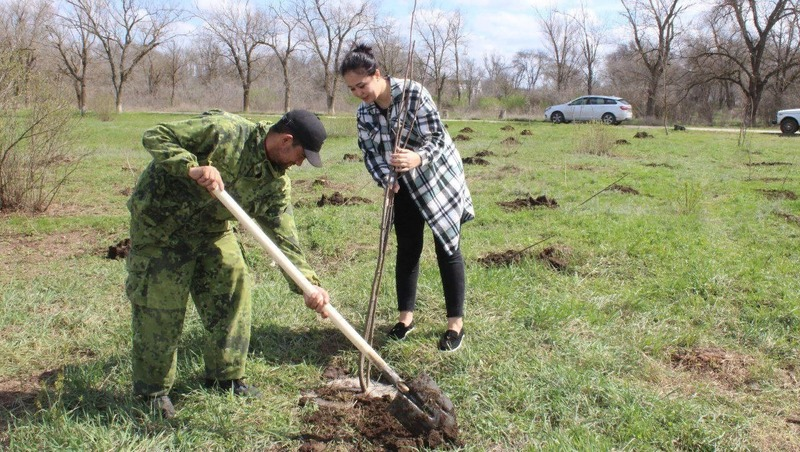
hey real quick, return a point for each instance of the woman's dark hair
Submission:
(360, 60)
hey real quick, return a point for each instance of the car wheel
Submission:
(789, 126)
(557, 117)
(608, 118)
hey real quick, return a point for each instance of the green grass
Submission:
(579, 359)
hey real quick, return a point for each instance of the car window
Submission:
(610, 102)
(580, 101)
(623, 101)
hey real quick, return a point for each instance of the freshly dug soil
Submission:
(475, 161)
(529, 202)
(466, 130)
(557, 256)
(622, 141)
(484, 153)
(510, 141)
(337, 199)
(526, 132)
(643, 135)
(624, 189)
(779, 194)
(461, 137)
(507, 128)
(120, 250)
(351, 158)
(508, 257)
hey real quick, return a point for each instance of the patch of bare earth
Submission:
(484, 153)
(461, 137)
(508, 257)
(24, 254)
(794, 219)
(778, 194)
(767, 164)
(347, 419)
(556, 256)
(475, 161)
(730, 369)
(510, 141)
(466, 130)
(624, 189)
(529, 202)
(337, 199)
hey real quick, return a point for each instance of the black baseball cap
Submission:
(308, 129)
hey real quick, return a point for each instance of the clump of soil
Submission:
(529, 202)
(461, 137)
(337, 199)
(729, 368)
(508, 257)
(126, 191)
(778, 194)
(466, 130)
(320, 182)
(624, 189)
(622, 141)
(507, 128)
(789, 217)
(526, 132)
(643, 135)
(767, 163)
(475, 161)
(661, 165)
(510, 141)
(351, 158)
(120, 250)
(557, 256)
(484, 153)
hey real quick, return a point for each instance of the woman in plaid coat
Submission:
(430, 187)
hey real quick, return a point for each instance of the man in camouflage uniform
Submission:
(182, 242)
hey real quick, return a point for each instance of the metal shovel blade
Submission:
(425, 408)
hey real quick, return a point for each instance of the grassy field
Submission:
(673, 323)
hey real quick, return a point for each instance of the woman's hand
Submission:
(405, 160)
(207, 176)
(317, 300)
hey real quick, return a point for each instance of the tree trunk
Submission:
(287, 85)
(118, 99)
(246, 98)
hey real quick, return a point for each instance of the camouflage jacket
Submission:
(168, 208)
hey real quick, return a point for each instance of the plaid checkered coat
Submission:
(438, 186)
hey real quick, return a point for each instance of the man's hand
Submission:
(207, 176)
(317, 300)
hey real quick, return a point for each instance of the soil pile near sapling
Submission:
(767, 164)
(778, 194)
(484, 153)
(351, 158)
(337, 199)
(120, 250)
(624, 189)
(529, 202)
(643, 135)
(508, 257)
(466, 130)
(510, 141)
(660, 165)
(475, 161)
(461, 137)
(729, 368)
(507, 128)
(622, 141)
(526, 132)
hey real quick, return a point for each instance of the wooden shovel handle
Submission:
(277, 255)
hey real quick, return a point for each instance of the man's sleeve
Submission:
(178, 146)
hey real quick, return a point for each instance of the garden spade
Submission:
(419, 405)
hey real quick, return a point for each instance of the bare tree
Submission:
(241, 30)
(559, 31)
(327, 27)
(528, 66)
(591, 36)
(653, 24)
(498, 77)
(177, 65)
(282, 38)
(127, 30)
(70, 35)
(392, 48)
(471, 75)
(22, 31)
(459, 39)
(437, 40)
(745, 39)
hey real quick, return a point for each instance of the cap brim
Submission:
(313, 158)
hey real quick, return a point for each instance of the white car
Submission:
(788, 120)
(608, 109)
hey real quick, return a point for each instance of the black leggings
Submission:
(409, 228)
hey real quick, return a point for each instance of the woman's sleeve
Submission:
(428, 125)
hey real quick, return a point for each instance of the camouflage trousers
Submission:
(160, 280)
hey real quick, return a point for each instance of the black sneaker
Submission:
(451, 341)
(162, 404)
(400, 330)
(239, 387)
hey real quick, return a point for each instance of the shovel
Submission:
(420, 405)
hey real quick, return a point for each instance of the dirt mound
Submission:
(767, 164)
(529, 202)
(778, 194)
(526, 132)
(337, 199)
(461, 137)
(347, 417)
(643, 135)
(351, 158)
(557, 256)
(508, 257)
(126, 191)
(475, 161)
(320, 182)
(120, 250)
(622, 141)
(507, 128)
(729, 368)
(660, 165)
(466, 130)
(510, 141)
(624, 189)
(789, 217)
(484, 153)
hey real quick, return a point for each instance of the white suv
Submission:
(788, 120)
(608, 109)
